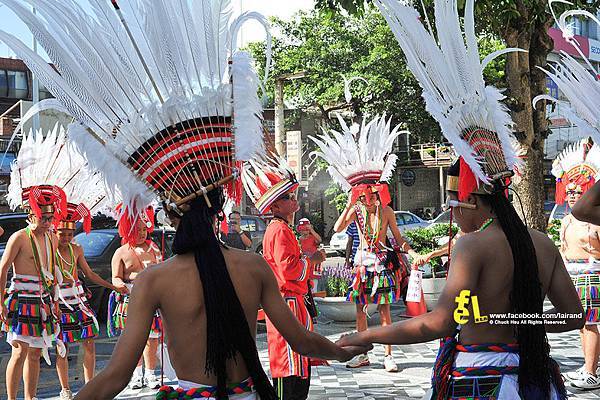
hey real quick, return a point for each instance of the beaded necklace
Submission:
(59, 257)
(370, 233)
(47, 283)
(485, 224)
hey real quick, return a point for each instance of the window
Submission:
(10, 226)
(17, 84)
(95, 243)
(411, 219)
(3, 83)
(44, 93)
(400, 219)
(249, 225)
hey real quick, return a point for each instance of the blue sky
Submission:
(250, 32)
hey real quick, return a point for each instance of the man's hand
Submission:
(4, 313)
(356, 350)
(354, 342)
(318, 257)
(122, 288)
(419, 260)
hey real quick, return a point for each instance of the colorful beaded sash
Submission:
(204, 392)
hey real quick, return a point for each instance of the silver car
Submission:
(408, 221)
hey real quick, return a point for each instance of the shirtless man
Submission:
(74, 306)
(127, 263)
(501, 262)
(185, 316)
(30, 252)
(580, 248)
(369, 270)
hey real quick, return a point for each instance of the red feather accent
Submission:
(224, 226)
(467, 182)
(35, 208)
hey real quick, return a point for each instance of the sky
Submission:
(251, 31)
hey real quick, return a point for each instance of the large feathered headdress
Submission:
(576, 168)
(450, 72)
(85, 190)
(39, 173)
(360, 155)
(164, 104)
(266, 178)
(577, 82)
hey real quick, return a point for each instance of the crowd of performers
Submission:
(168, 112)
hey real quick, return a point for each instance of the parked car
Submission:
(443, 218)
(98, 248)
(11, 222)
(256, 227)
(408, 221)
(559, 211)
(338, 243)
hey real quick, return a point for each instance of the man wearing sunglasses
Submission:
(575, 169)
(29, 313)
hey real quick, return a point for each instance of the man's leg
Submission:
(590, 340)
(292, 388)
(361, 318)
(31, 372)
(150, 361)
(62, 368)
(89, 359)
(14, 368)
(385, 315)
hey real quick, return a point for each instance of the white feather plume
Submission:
(450, 72)
(52, 160)
(573, 156)
(123, 92)
(348, 156)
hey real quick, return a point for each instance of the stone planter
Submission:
(340, 310)
(432, 288)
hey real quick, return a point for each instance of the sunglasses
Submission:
(574, 192)
(288, 196)
(46, 219)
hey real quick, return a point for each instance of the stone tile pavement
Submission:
(334, 382)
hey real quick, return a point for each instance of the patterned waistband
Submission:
(204, 392)
(459, 372)
(491, 347)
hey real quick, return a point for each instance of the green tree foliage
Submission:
(523, 24)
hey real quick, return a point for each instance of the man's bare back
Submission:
(491, 259)
(175, 288)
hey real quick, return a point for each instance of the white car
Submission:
(338, 243)
(408, 221)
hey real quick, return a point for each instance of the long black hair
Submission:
(228, 332)
(526, 295)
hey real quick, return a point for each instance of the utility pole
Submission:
(280, 110)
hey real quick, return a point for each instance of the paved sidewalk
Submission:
(336, 381)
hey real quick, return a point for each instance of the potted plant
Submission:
(337, 279)
(554, 231)
(423, 241)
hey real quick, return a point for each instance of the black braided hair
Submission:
(526, 295)
(228, 332)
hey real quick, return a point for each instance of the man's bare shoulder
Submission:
(243, 259)
(543, 244)
(18, 237)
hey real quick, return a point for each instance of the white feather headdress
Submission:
(157, 90)
(41, 170)
(450, 72)
(359, 154)
(577, 165)
(578, 83)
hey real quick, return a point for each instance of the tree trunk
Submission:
(525, 81)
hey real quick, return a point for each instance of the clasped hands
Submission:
(353, 344)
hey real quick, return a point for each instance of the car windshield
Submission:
(560, 210)
(95, 243)
(443, 218)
